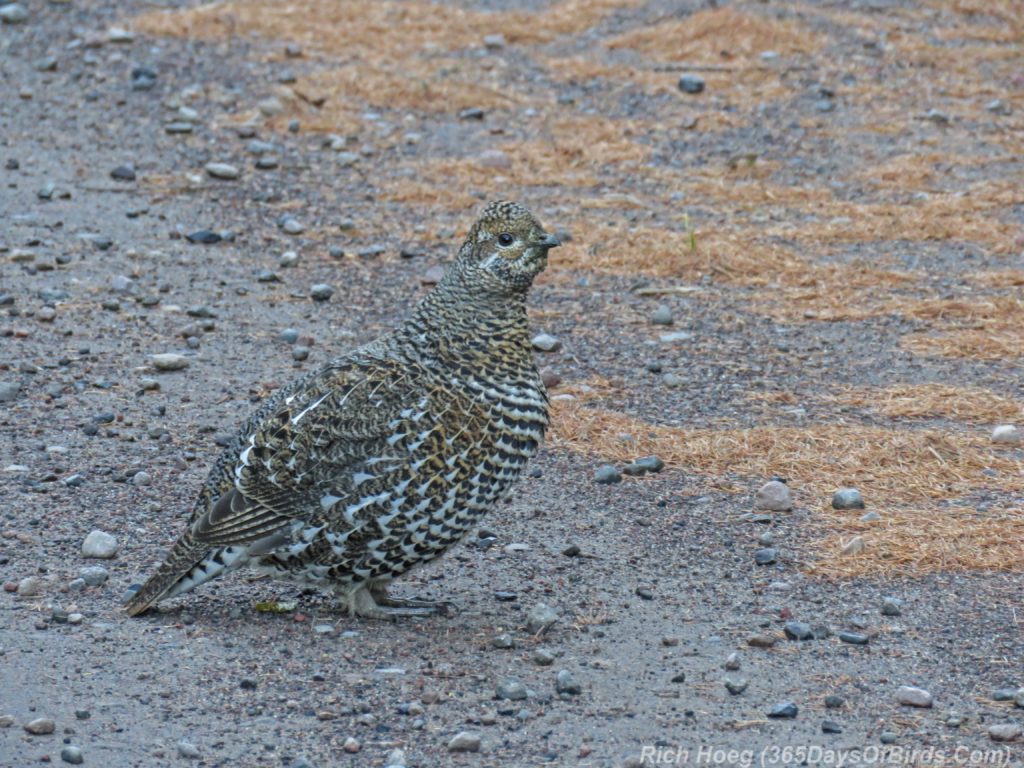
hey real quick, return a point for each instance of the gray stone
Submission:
(831, 726)
(870, 517)
(542, 657)
(774, 496)
(892, 606)
(847, 498)
(910, 696)
(1006, 694)
(999, 107)
(120, 35)
(288, 259)
(546, 343)
(853, 638)
(93, 575)
(141, 478)
(675, 336)
(224, 171)
(40, 726)
(494, 41)
(178, 127)
(606, 474)
(13, 13)
(511, 689)
(833, 701)
(1018, 700)
(123, 173)
(292, 226)
(503, 641)
(798, 630)
(765, 556)
(1007, 434)
(1005, 731)
(733, 662)
(168, 361)
(541, 618)
(662, 315)
(321, 292)
(9, 391)
(72, 754)
(100, 545)
(690, 83)
(566, 684)
(888, 737)
(188, 750)
(786, 710)
(464, 741)
(736, 686)
(30, 586)
(643, 465)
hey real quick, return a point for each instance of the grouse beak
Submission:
(549, 241)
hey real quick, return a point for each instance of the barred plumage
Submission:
(383, 458)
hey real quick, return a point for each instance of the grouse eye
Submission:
(505, 239)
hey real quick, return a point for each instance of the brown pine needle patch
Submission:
(915, 471)
(971, 405)
(385, 28)
(970, 343)
(715, 35)
(916, 540)
(573, 152)
(998, 278)
(964, 217)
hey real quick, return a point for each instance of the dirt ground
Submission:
(834, 223)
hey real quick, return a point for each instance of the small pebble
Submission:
(169, 361)
(566, 684)
(321, 292)
(892, 606)
(736, 686)
(40, 726)
(1005, 731)
(831, 726)
(910, 696)
(93, 575)
(540, 618)
(224, 171)
(798, 630)
(1006, 694)
(662, 315)
(542, 657)
(188, 750)
(503, 641)
(606, 474)
(774, 496)
(464, 741)
(786, 709)
(292, 226)
(13, 13)
(100, 545)
(1007, 434)
(853, 638)
(847, 498)
(71, 754)
(123, 173)
(761, 641)
(689, 83)
(546, 343)
(511, 689)
(732, 663)
(30, 586)
(765, 556)
(833, 701)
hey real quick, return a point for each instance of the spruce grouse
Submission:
(385, 457)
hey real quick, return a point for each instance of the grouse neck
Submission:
(463, 308)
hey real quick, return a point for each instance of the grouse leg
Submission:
(379, 593)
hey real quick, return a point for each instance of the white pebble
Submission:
(1007, 434)
(99, 544)
(910, 696)
(774, 496)
(545, 342)
(222, 171)
(169, 361)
